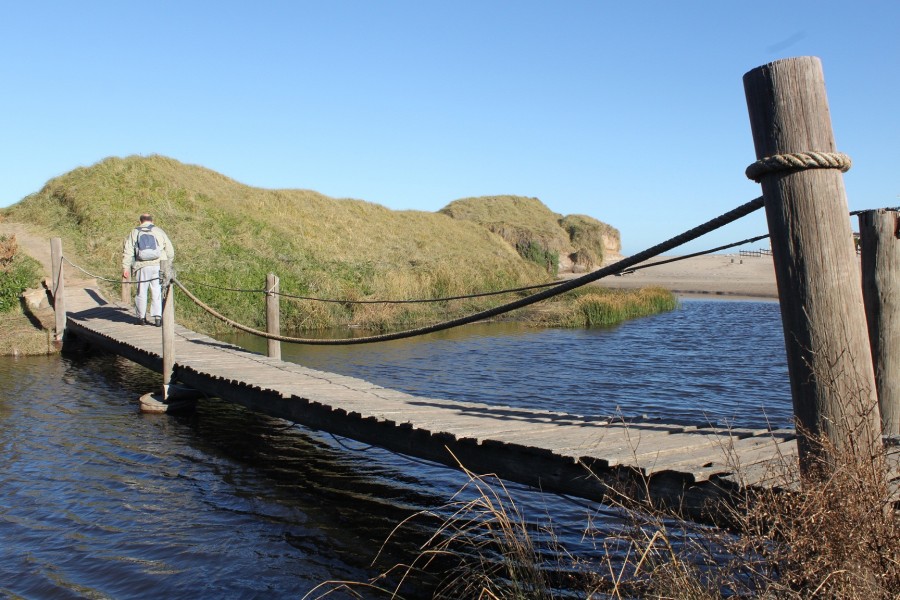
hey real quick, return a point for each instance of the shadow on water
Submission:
(98, 499)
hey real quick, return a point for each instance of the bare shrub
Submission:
(8, 249)
(837, 537)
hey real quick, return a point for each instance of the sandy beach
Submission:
(728, 275)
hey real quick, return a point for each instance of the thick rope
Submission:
(101, 278)
(622, 265)
(227, 289)
(798, 161)
(423, 300)
(345, 301)
(89, 274)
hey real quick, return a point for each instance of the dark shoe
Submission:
(157, 321)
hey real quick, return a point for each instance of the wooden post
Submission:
(126, 292)
(829, 362)
(273, 320)
(880, 253)
(58, 287)
(168, 338)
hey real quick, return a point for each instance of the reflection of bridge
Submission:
(573, 454)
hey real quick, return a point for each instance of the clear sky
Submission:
(633, 113)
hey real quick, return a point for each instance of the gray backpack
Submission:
(146, 246)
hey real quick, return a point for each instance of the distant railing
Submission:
(756, 253)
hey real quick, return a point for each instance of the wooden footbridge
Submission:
(844, 379)
(568, 453)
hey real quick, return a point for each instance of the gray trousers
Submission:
(148, 277)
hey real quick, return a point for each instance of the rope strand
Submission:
(101, 278)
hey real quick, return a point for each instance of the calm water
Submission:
(97, 500)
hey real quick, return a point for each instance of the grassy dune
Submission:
(536, 232)
(229, 234)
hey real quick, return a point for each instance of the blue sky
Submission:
(633, 113)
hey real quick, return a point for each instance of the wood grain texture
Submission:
(880, 259)
(831, 374)
(273, 316)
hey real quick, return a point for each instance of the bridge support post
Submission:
(58, 287)
(126, 292)
(168, 338)
(828, 356)
(273, 315)
(879, 238)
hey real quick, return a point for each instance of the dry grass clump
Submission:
(482, 547)
(837, 537)
(8, 249)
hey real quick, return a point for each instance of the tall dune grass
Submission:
(229, 235)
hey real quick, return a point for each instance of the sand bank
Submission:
(729, 275)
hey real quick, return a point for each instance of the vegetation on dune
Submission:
(600, 307)
(18, 272)
(22, 333)
(588, 237)
(230, 235)
(537, 233)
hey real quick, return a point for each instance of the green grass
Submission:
(18, 272)
(231, 235)
(593, 306)
(536, 232)
(590, 239)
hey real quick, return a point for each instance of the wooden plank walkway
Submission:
(687, 464)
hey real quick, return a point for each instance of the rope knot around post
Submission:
(798, 161)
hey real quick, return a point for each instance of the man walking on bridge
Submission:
(143, 250)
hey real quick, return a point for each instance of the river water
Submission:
(99, 501)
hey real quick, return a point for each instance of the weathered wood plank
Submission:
(545, 448)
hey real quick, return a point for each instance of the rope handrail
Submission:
(101, 277)
(424, 300)
(376, 301)
(228, 289)
(696, 254)
(711, 225)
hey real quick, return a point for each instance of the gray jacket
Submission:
(166, 249)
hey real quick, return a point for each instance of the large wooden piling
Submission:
(879, 233)
(58, 287)
(830, 365)
(273, 318)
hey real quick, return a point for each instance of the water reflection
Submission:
(708, 361)
(98, 500)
